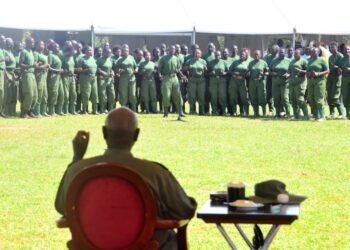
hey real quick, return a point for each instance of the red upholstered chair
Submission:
(111, 207)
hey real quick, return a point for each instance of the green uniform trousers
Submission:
(2, 91)
(88, 88)
(316, 95)
(29, 92)
(106, 93)
(257, 92)
(297, 89)
(333, 90)
(238, 89)
(218, 94)
(127, 91)
(196, 90)
(41, 82)
(170, 90)
(55, 92)
(70, 92)
(345, 91)
(149, 94)
(11, 85)
(280, 93)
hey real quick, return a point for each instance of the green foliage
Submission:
(204, 153)
(221, 42)
(26, 34)
(101, 40)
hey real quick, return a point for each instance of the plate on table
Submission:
(245, 205)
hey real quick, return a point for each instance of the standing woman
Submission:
(148, 85)
(258, 69)
(155, 59)
(316, 70)
(344, 68)
(196, 83)
(297, 71)
(238, 85)
(280, 83)
(217, 86)
(10, 79)
(126, 68)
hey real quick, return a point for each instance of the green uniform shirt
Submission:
(240, 67)
(2, 56)
(86, 62)
(55, 61)
(188, 57)
(268, 59)
(345, 63)
(334, 59)
(138, 62)
(148, 68)
(114, 61)
(77, 57)
(40, 58)
(128, 64)
(279, 66)
(68, 64)
(257, 68)
(218, 67)
(317, 65)
(11, 64)
(209, 57)
(299, 64)
(156, 61)
(181, 59)
(198, 67)
(105, 64)
(27, 58)
(169, 64)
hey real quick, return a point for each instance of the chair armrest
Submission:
(171, 224)
(61, 222)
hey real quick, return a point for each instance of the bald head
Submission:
(120, 130)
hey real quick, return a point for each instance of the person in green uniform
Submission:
(196, 68)
(181, 77)
(41, 78)
(163, 49)
(29, 87)
(117, 51)
(2, 77)
(105, 76)
(268, 59)
(234, 53)
(77, 55)
(334, 81)
(217, 71)
(290, 53)
(258, 69)
(54, 85)
(139, 58)
(17, 91)
(88, 83)
(238, 86)
(194, 47)
(184, 80)
(68, 80)
(317, 68)
(126, 68)
(344, 68)
(155, 59)
(147, 70)
(208, 57)
(168, 69)
(10, 79)
(298, 84)
(97, 53)
(280, 83)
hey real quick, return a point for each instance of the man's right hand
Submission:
(80, 143)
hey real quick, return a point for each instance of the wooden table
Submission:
(273, 215)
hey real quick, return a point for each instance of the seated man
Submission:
(121, 132)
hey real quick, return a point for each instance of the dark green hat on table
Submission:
(267, 192)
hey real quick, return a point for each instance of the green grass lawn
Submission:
(311, 158)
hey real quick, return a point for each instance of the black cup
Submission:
(235, 192)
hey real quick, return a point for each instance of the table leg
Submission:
(227, 238)
(269, 237)
(244, 236)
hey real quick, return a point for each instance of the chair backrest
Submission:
(110, 206)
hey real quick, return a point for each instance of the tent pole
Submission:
(193, 37)
(294, 36)
(93, 37)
